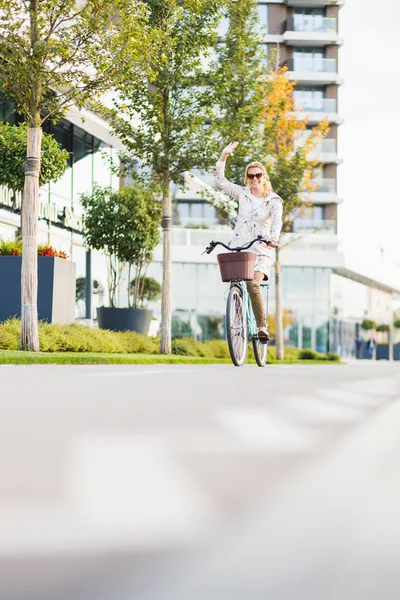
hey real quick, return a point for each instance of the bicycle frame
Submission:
(250, 318)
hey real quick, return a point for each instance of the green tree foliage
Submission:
(125, 225)
(161, 116)
(54, 160)
(146, 289)
(55, 53)
(239, 85)
(384, 328)
(368, 324)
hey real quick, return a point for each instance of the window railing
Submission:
(327, 146)
(311, 24)
(197, 221)
(199, 237)
(317, 225)
(324, 105)
(326, 185)
(312, 64)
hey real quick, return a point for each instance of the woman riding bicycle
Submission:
(260, 212)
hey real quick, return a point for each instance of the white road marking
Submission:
(134, 373)
(122, 492)
(264, 429)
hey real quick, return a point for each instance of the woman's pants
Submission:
(257, 301)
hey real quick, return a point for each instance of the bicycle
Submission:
(240, 321)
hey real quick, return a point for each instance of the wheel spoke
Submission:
(237, 332)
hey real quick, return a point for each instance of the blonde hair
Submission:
(266, 181)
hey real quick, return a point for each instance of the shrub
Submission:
(383, 328)
(187, 347)
(9, 334)
(79, 338)
(396, 324)
(10, 247)
(332, 356)
(368, 324)
(47, 250)
(14, 248)
(216, 349)
(308, 354)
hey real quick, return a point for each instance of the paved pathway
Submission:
(193, 482)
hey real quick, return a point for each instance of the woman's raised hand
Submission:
(229, 149)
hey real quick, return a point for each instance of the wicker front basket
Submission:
(237, 265)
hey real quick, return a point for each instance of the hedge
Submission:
(79, 338)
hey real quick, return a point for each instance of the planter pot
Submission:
(56, 289)
(124, 319)
(382, 352)
(396, 351)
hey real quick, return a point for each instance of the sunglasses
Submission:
(256, 175)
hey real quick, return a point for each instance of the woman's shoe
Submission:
(263, 336)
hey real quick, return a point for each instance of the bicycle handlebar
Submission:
(213, 244)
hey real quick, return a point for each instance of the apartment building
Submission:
(305, 34)
(325, 293)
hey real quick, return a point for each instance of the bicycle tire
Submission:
(236, 326)
(260, 352)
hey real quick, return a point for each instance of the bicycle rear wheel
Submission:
(260, 352)
(236, 326)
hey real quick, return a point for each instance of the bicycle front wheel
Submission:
(236, 326)
(260, 352)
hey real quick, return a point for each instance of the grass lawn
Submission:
(18, 357)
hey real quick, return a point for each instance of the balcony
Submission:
(320, 105)
(199, 222)
(311, 23)
(313, 70)
(309, 30)
(326, 186)
(326, 152)
(315, 109)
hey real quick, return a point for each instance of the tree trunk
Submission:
(29, 224)
(166, 308)
(278, 309)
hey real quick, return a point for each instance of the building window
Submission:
(309, 98)
(263, 18)
(308, 59)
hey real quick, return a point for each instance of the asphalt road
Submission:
(181, 482)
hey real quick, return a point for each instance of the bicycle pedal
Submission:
(264, 337)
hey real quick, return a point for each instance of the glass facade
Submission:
(89, 163)
(198, 292)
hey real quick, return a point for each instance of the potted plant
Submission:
(382, 348)
(396, 344)
(125, 225)
(368, 345)
(56, 283)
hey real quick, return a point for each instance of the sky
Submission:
(369, 139)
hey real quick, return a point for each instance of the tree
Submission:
(290, 163)
(162, 120)
(55, 54)
(54, 159)
(368, 325)
(239, 85)
(143, 290)
(124, 224)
